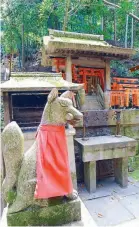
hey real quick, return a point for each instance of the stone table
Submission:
(102, 148)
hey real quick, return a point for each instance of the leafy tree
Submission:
(27, 21)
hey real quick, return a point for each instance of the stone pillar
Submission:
(69, 69)
(121, 171)
(29, 139)
(2, 170)
(70, 132)
(6, 105)
(107, 85)
(90, 176)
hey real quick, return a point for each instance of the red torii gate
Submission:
(80, 74)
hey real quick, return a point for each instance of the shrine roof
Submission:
(64, 43)
(32, 81)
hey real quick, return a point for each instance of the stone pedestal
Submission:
(71, 154)
(90, 176)
(121, 171)
(54, 215)
(102, 148)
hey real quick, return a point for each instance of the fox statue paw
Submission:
(73, 195)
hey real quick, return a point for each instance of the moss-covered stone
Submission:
(11, 195)
(53, 215)
(37, 81)
(129, 117)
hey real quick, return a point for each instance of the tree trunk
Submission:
(105, 24)
(102, 23)
(10, 64)
(23, 55)
(67, 4)
(10, 59)
(132, 32)
(115, 25)
(126, 31)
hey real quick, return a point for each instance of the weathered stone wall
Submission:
(103, 122)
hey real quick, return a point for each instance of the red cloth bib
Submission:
(52, 167)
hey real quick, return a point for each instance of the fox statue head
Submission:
(60, 110)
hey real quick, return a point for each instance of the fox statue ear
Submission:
(53, 95)
(67, 94)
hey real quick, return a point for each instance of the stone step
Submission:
(91, 103)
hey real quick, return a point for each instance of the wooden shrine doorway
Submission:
(80, 74)
(89, 76)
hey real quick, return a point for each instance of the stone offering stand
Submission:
(106, 147)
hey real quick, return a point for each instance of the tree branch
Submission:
(76, 7)
(117, 6)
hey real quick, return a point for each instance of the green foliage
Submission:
(135, 174)
(87, 16)
(122, 68)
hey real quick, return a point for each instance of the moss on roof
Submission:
(66, 40)
(75, 35)
(32, 81)
(85, 43)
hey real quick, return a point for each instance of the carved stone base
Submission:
(53, 215)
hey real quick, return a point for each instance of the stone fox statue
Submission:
(20, 180)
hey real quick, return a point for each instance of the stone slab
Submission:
(108, 187)
(108, 190)
(108, 211)
(132, 204)
(85, 195)
(132, 223)
(58, 214)
(123, 192)
(106, 147)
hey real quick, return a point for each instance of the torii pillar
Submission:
(107, 85)
(69, 69)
